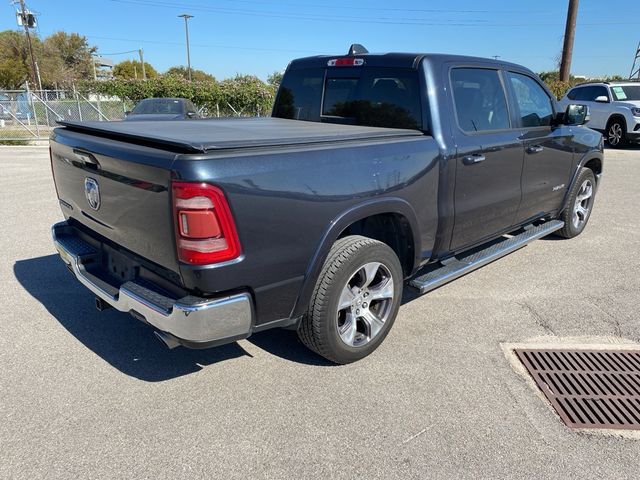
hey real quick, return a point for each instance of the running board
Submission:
(459, 266)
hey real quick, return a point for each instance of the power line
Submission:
(346, 19)
(203, 45)
(325, 7)
(118, 53)
(346, 7)
(307, 16)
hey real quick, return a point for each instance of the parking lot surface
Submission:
(85, 394)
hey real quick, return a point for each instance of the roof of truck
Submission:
(400, 60)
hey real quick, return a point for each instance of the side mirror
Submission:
(127, 113)
(602, 99)
(191, 114)
(576, 115)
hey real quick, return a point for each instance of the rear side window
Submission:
(574, 94)
(480, 100)
(588, 94)
(300, 95)
(536, 109)
(375, 97)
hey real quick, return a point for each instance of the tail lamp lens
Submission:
(205, 230)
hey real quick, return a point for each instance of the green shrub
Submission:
(242, 95)
(558, 88)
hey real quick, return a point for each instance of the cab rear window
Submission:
(376, 97)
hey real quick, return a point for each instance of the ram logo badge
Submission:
(92, 192)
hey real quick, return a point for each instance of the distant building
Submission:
(102, 68)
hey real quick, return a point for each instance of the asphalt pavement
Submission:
(90, 395)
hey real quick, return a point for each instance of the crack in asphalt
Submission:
(537, 318)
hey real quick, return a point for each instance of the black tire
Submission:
(571, 229)
(318, 329)
(616, 133)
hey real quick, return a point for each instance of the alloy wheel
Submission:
(615, 134)
(582, 205)
(365, 304)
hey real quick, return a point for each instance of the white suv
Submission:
(614, 106)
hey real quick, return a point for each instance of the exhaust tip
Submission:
(101, 305)
(169, 340)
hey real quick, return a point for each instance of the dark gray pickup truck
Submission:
(373, 171)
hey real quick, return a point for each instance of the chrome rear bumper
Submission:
(193, 321)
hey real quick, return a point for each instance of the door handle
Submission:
(535, 148)
(475, 158)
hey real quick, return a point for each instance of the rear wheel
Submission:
(579, 205)
(355, 301)
(616, 136)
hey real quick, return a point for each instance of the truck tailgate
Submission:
(119, 190)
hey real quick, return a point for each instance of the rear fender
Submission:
(338, 225)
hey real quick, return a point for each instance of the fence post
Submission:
(100, 114)
(217, 110)
(75, 94)
(33, 106)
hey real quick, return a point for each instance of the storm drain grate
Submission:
(589, 388)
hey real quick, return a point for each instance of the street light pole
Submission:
(186, 17)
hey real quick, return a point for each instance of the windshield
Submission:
(375, 97)
(158, 106)
(626, 92)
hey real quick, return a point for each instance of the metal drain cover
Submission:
(588, 388)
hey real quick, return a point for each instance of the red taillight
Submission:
(346, 62)
(205, 230)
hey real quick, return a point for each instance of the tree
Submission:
(13, 73)
(196, 75)
(133, 69)
(15, 63)
(67, 59)
(275, 79)
(63, 59)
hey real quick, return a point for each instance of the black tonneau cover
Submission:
(231, 133)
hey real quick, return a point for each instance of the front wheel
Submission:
(355, 301)
(579, 205)
(616, 134)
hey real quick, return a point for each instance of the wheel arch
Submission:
(617, 116)
(592, 160)
(353, 221)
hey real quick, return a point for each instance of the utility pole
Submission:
(569, 35)
(186, 17)
(25, 23)
(144, 71)
(95, 73)
(635, 72)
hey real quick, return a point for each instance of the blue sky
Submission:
(261, 36)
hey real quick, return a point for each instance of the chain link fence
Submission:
(31, 115)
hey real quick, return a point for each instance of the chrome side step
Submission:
(459, 266)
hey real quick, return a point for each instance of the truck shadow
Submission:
(128, 344)
(125, 343)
